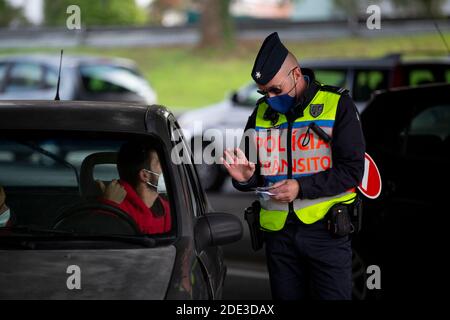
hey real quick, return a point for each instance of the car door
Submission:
(407, 133)
(407, 130)
(210, 258)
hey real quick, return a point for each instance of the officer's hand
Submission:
(113, 192)
(285, 190)
(239, 168)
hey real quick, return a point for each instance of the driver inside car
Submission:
(141, 190)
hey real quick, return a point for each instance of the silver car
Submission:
(34, 77)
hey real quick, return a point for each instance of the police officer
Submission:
(307, 174)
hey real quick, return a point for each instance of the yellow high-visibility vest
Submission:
(310, 155)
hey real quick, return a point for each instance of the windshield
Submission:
(109, 79)
(78, 184)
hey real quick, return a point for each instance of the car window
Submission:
(447, 76)
(421, 76)
(248, 96)
(428, 133)
(24, 76)
(49, 178)
(111, 79)
(50, 78)
(367, 81)
(432, 121)
(331, 77)
(197, 195)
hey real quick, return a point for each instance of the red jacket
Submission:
(147, 221)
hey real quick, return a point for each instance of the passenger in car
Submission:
(4, 210)
(140, 192)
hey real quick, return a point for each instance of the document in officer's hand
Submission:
(264, 190)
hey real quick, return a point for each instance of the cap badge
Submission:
(258, 75)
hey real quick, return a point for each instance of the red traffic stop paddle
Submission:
(370, 185)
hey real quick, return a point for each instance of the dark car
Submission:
(404, 230)
(34, 77)
(51, 153)
(360, 76)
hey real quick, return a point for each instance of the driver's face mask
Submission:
(160, 185)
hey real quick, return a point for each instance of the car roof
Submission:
(69, 60)
(421, 89)
(387, 61)
(89, 116)
(382, 102)
(346, 63)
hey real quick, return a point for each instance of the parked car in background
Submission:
(360, 76)
(51, 154)
(34, 77)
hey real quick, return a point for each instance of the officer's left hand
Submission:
(285, 190)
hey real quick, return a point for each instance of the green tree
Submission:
(95, 13)
(8, 14)
(353, 10)
(216, 24)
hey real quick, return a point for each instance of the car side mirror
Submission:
(235, 97)
(216, 229)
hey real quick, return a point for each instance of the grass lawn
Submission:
(187, 77)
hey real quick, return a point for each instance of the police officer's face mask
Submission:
(282, 102)
(160, 186)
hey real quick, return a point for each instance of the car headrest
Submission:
(88, 187)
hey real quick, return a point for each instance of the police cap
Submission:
(269, 60)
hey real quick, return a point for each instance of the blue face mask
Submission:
(281, 103)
